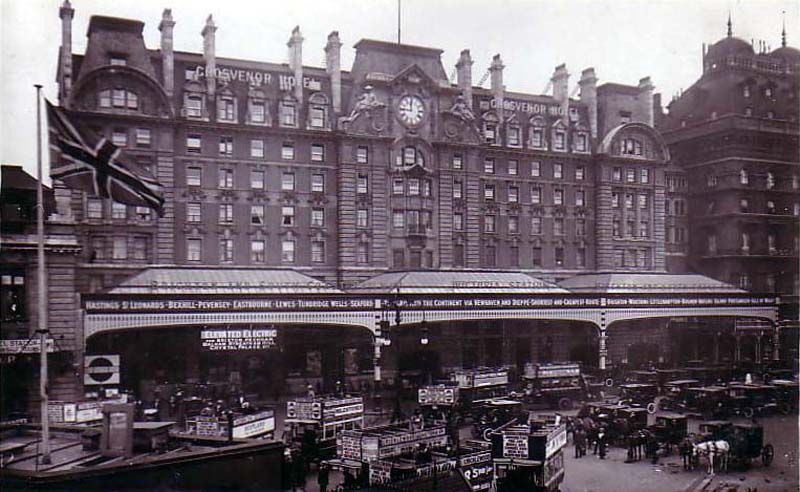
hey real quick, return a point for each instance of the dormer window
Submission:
(559, 140)
(118, 98)
(258, 111)
(537, 140)
(193, 105)
(490, 123)
(581, 142)
(226, 108)
(513, 136)
(318, 111)
(288, 113)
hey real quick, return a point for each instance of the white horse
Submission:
(711, 450)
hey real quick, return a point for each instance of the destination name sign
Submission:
(105, 305)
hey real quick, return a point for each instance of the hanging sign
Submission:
(230, 339)
(101, 369)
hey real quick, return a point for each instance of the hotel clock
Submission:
(411, 110)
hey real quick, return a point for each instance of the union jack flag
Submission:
(93, 165)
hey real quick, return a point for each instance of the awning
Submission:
(222, 281)
(456, 282)
(646, 283)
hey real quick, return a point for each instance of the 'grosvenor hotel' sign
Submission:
(126, 303)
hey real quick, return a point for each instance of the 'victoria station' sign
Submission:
(329, 303)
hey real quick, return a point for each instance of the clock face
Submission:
(411, 110)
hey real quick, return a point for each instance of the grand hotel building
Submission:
(388, 179)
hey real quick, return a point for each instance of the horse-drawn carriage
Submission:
(745, 441)
(639, 394)
(709, 401)
(670, 429)
(753, 399)
(676, 398)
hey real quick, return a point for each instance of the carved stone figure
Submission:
(366, 102)
(461, 110)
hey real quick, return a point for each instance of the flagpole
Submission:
(42, 301)
(398, 20)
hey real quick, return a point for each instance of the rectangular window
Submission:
(536, 169)
(643, 201)
(536, 195)
(537, 138)
(580, 198)
(398, 258)
(558, 197)
(287, 182)
(513, 224)
(644, 176)
(257, 148)
(513, 168)
(362, 218)
(458, 189)
(488, 192)
(630, 230)
(558, 171)
(143, 137)
(458, 222)
(287, 251)
(536, 225)
(581, 142)
(559, 254)
(513, 136)
(287, 216)
(458, 254)
(317, 152)
(119, 98)
(119, 211)
(94, 208)
(287, 151)
(317, 217)
(139, 248)
(490, 133)
(98, 248)
(317, 117)
(194, 212)
(558, 226)
(615, 228)
(413, 220)
(120, 248)
(491, 256)
(630, 175)
(226, 146)
(489, 223)
(513, 194)
(537, 256)
(257, 215)
(615, 199)
(560, 141)
(398, 219)
(458, 161)
(193, 144)
(119, 138)
(105, 99)
(194, 249)
(426, 187)
(258, 112)
(193, 176)
(362, 154)
(258, 251)
(514, 254)
(194, 106)
(616, 174)
(413, 186)
(580, 227)
(580, 173)
(256, 179)
(628, 200)
(226, 109)
(488, 165)
(398, 186)
(362, 184)
(226, 213)
(644, 229)
(225, 178)
(318, 183)
(226, 250)
(142, 213)
(288, 115)
(317, 251)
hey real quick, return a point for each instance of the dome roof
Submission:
(787, 53)
(729, 46)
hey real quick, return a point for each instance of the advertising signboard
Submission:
(234, 339)
(101, 369)
(257, 424)
(439, 394)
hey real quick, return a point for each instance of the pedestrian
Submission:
(298, 472)
(579, 438)
(685, 448)
(601, 443)
(310, 391)
(630, 441)
(322, 477)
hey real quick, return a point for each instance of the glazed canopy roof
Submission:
(646, 283)
(456, 282)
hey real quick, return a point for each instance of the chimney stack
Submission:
(560, 82)
(496, 70)
(464, 76)
(295, 45)
(167, 56)
(588, 96)
(334, 68)
(646, 100)
(66, 12)
(209, 54)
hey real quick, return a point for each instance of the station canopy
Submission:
(456, 282)
(222, 281)
(646, 283)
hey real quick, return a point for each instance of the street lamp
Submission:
(424, 335)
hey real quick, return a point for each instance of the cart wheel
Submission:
(767, 454)
(565, 404)
(487, 435)
(748, 412)
(652, 407)
(609, 382)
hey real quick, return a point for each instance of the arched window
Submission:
(631, 146)
(194, 100)
(559, 137)
(318, 111)
(257, 108)
(118, 98)
(226, 106)
(410, 156)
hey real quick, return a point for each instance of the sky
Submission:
(624, 40)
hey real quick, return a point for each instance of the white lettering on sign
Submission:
(555, 442)
(238, 339)
(525, 107)
(257, 78)
(515, 445)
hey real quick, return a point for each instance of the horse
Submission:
(711, 450)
